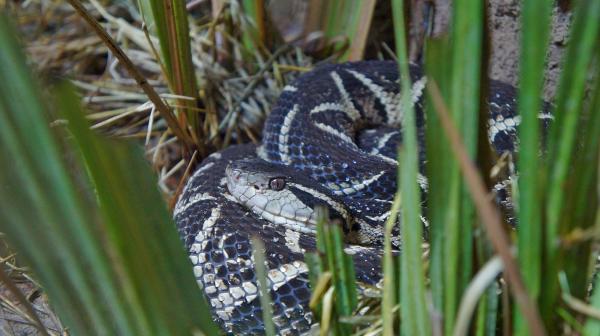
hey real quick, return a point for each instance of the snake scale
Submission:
(330, 140)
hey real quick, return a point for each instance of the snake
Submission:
(330, 140)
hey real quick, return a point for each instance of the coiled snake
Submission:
(330, 140)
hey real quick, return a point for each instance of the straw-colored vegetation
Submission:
(83, 222)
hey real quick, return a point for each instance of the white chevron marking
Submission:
(332, 203)
(423, 182)
(179, 208)
(359, 186)
(382, 141)
(350, 110)
(284, 134)
(328, 107)
(389, 100)
(336, 133)
(417, 89)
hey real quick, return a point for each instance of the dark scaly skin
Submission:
(229, 239)
(224, 239)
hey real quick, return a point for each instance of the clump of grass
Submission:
(121, 109)
(103, 258)
(333, 278)
(457, 189)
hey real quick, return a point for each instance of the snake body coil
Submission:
(330, 140)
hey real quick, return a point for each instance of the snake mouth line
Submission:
(290, 223)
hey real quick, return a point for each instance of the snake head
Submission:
(255, 176)
(282, 195)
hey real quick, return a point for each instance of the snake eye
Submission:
(277, 183)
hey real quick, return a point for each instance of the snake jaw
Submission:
(277, 205)
(283, 196)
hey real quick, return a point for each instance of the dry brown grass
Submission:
(237, 88)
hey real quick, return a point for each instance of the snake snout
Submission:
(233, 173)
(236, 183)
(245, 183)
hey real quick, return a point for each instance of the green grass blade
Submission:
(42, 212)
(467, 44)
(592, 326)
(362, 17)
(563, 137)
(316, 269)
(346, 22)
(454, 62)
(415, 320)
(488, 213)
(253, 35)
(534, 42)
(487, 313)
(258, 249)
(464, 100)
(315, 274)
(581, 206)
(438, 157)
(145, 242)
(390, 269)
(168, 19)
(260, 33)
(444, 190)
(341, 270)
(116, 269)
(358, 15)
(337, 264)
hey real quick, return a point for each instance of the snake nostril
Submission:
(256, 187)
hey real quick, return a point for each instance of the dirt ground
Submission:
(504, 26)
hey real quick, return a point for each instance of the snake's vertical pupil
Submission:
(277, 183)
